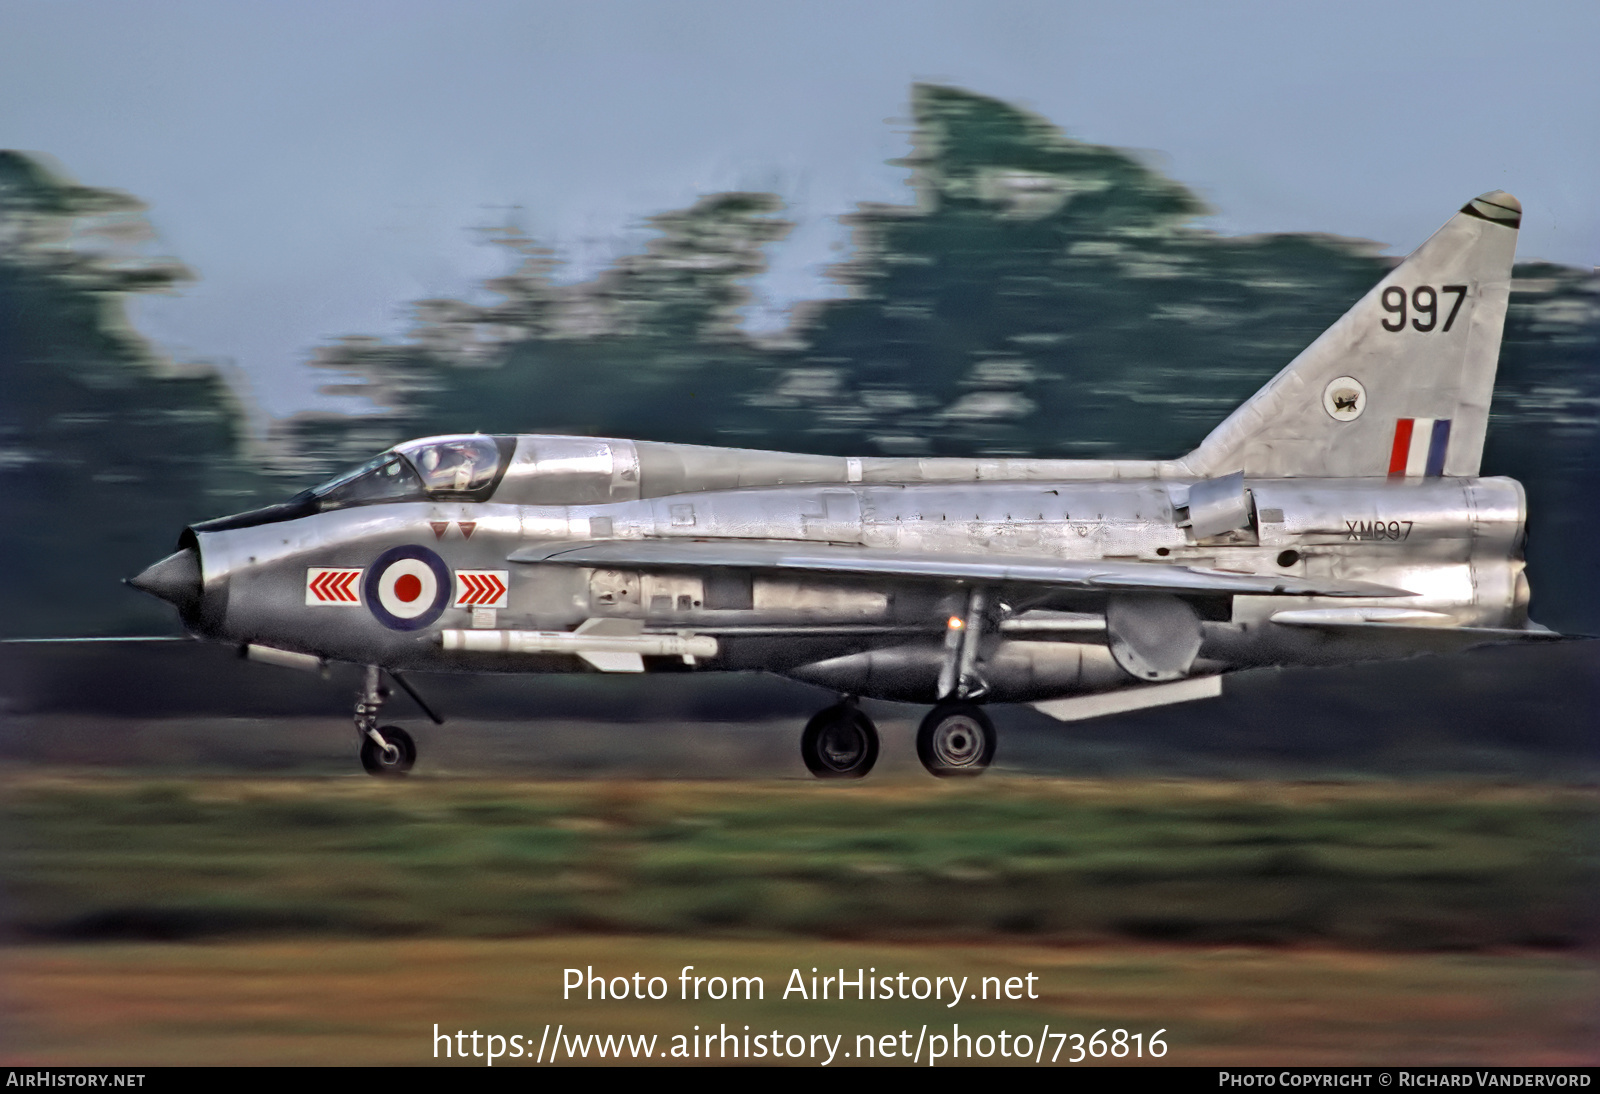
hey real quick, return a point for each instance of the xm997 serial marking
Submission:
(1378, 529)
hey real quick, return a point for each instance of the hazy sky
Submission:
(319, 165)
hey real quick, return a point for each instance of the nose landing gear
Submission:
(388, 750)
(384, 751)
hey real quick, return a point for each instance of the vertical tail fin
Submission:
(1401, 384)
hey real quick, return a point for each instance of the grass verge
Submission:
(1398, 866)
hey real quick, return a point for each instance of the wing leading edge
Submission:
(1121, 575)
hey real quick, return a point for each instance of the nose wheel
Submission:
(840, 743)
(392, 754)
(956, 739)
(386, 750)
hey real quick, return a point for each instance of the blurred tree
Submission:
(1049, 297)
(1544, 431)
(106, 449)
(651, 348)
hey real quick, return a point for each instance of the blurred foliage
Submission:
(1544, 431)
(107, 451)
(1404, 866)
(1042, 296)
(654, 339)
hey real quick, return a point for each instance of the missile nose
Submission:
(175, 579)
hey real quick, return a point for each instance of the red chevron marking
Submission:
(479, 588)
(334, 587)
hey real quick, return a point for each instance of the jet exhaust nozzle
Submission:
(175, 579)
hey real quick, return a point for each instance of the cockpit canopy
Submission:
(538, 469)
(460, 468)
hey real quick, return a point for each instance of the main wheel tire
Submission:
(393, 761)
(956, 740)
(840, 743)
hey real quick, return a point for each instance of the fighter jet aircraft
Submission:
(1337, 516)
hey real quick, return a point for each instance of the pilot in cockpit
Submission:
(446, 467)
(456, 466)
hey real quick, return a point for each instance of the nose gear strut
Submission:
(386, 750)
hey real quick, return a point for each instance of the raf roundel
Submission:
(407, 588)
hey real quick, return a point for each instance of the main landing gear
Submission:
(840, 743)
(955, 740)
(385, 750)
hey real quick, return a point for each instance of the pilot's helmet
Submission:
(462, 463)
(448, 465)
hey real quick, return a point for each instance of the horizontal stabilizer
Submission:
(1079, 707)
(1119, 575)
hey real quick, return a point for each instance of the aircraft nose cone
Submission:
(175, 579)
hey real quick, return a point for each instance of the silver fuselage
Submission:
(1455, 544)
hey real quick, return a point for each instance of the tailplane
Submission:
(1400, 385)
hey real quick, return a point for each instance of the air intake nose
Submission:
(175, 579)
